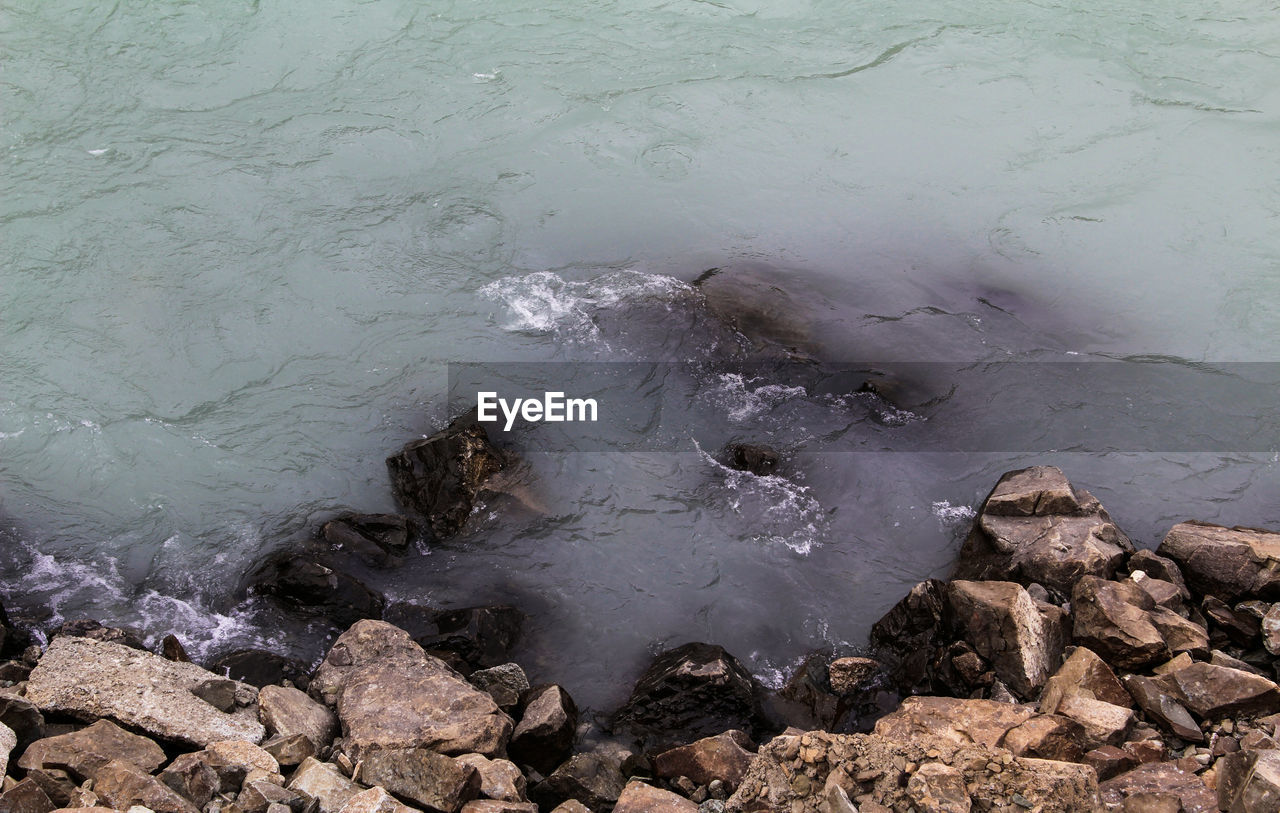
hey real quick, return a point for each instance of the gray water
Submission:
(242, 241)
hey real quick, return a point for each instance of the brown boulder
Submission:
(324, 783)
(638, 797)
(1021, 639)
(1249, 781)
(848, 675)
(1104, 723)
(285, 711)
(1210, 691)
(86, 751)
(1083, 672)
(544, 735)
(725, 757)
(1158, 783)
(420, 777)
(1162, 708)
(497, 806)
(1230, 563)
(1113, 619)
(587, 778)
(122, 785)
(952, 720)
(25, 797)
(500, 779)
(1047, 736)
(374, 800)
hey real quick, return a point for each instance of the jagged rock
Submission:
(694, 690)
(196, 780)
(286, 712)
(796, 774)
(1249, 782)
(587, 778)
(1023, 641)
(1035, 527)
(725, 757)
(1159, 567)
(638, 797)
(1159, 782)
(56, 784)
(85, 751)
(22, 716)
(377, 538)
(244, 756)
(1109, 761)
(391, 694)
(500, 779)
(260, 668)
(122, 784)
(374, 800)
(97, 631)
(952, 720)
(571, 806)
(440, 476)
(1104, 723)
(848, 675)
(505, 683)
(759, 460)
(311, 585)
(1083, 672)
(1161, 708)
(1114, 620)
(1047, 736)
(217, 692)
(25, 797)
(1240, 628)
(420, 777)
(496, 806)
(545, 733)
(324, 783)
(1210, 691)
(1163, 593)
(1271, 629)
(807, 701)
(908, 636)
(91, 679)
(939, 788)
(1230, 563)
(8, 741)
(1219, 658)
(258, 795)
(290, 750)
(172, 649)
(1180, 634)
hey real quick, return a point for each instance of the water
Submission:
(242, 240)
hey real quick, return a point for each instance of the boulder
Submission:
(639, 797)
(952, 720)
(505, 683)
(759, 460)
(694, 690)
(1022, 640)
(1230, 563)
(8, 741)
(1180, 635)
(909, 636)
(122, 785)
(807, 701)
(85, 751)
(324, 783)
(1036, 527)
(939, 788)
(500, 779)
(291, 750)
(22, 716)
(1271, 629)
(1083, 672)
(25, 797)
(91, 679)
(1240, 628)
(95, 630)
(587, 778)
(172, 649)
(260, 793)
(725, 757)
(1114, 620)
(801, 774)
(1163, 593)
(1109, 761)
(1159, 567)
(1047, 736)
(1210, 692)
(220, 768)
(1249, 781)
(391, 694)
(379, 539)
(57, 784)
(1158, 783)
(848, 675)
(420, 777)
(439, 477)
(1104, 723)
(544, 736)
(495, 806)
(1162, 709)
(374, 800)
(258, 667)
(286, 712)
(306, 583)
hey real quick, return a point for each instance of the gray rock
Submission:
(8, 741)
(587, 778)
(504, 682)
(92, 679)
(545, 733)
(286, 712)
(324, 783)
(420, 777)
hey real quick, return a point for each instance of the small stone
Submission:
(505, 683)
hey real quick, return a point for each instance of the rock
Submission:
(324, 783)
(86, 751)
(22, 716)
(1108, 761)
(797, 774)
(1022, 641)
(258, 795)
(172, 649)
(1230, 563)
(638, 797)
(439, 477)
(1218, 658)
(848, 675)
(495, 806)
(25, 797)
(480, 636)
(545, 733)
(121, 784)
(1114, 620)
(1035, 527)
(940, 788)
(1161, 708)
(694, 690)
(1180, 635)
(8, 741)
(260, 668)
(94, 630)
(908, 636)
(245, 756)
(500, 779)
(374, 800)
(951, 720)
(91, 679)
(1163, 593)
(217, 692)
(290, 750)
(725, 757)
(1271, 629)
(1083, 672)
(193, 778)
(420, 777)
(1159, 567)
(56, 784)
(1249, 781)
(1047, 736)
(571, 806)
(1159, 779)
(587, 778)
(391, 694)
(1210, 691)
(807, 701)
(1240, 628)
(1104, 723)
(759, 460)
(505, 683)
(286, 712)
(307, 584)
(377, 538)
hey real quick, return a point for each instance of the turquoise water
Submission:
(243, 239)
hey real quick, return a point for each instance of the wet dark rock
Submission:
(694, 690)
(260, 668)
(505, 682)
(589, 779)
(25, 797)
(172, 649)
(907, 639)
(807, 700)
(310, 585)
(439, 477)
(23, 718)
(759, 460)
(95, 630)
(544, 736)
(13, 639)
(1230, 563)
(420, 777)
(379, 539)
(724, 757)
(86, 751)
(1035, 526)
(481, 636)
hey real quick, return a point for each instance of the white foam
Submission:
(953, 514)
(742, 401)
(777, 510)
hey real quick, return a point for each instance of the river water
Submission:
(242, 241)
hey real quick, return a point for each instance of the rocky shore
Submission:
(1060, 669)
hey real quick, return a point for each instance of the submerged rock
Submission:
(311, 585)
(1035, 527)
(1230, 563)
(439, 477)
(260, 668)
(481, 636)
(377, 538)
(759, 460)
(92, 679)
